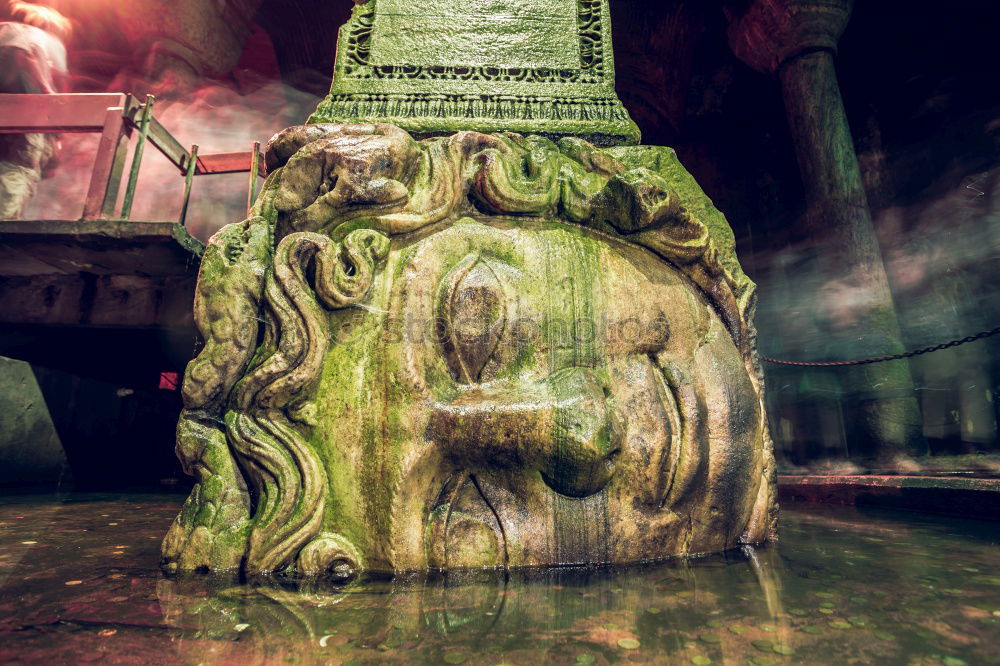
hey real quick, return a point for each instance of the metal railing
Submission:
(116, 116)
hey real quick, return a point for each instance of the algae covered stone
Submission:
(542, 67)
(475, 350)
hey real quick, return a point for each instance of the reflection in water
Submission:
(840, 586)
(561, 613)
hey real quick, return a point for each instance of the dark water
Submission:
(79, 583)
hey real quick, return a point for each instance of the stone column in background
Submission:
(797, 40)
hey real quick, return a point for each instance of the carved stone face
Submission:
(530, 394)
(473, 350)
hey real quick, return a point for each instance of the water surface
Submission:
(79, 582)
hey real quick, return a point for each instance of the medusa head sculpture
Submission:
(477, 350)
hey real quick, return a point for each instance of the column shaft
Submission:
(880, 406)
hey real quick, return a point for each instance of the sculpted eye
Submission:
(471, 316)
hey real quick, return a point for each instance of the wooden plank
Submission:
(145, 114)
(254, 175)
(188, 182)
(238, 162)
(45, 114)
(98, 300)
(100, 247)
(97, 273)
(168, 145)
(102, 195)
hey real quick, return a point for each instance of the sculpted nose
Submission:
(560, 426)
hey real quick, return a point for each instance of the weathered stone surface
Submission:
(768, 33)
(481, 33)
(543, 67)
(473, 350)
(29, 444)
